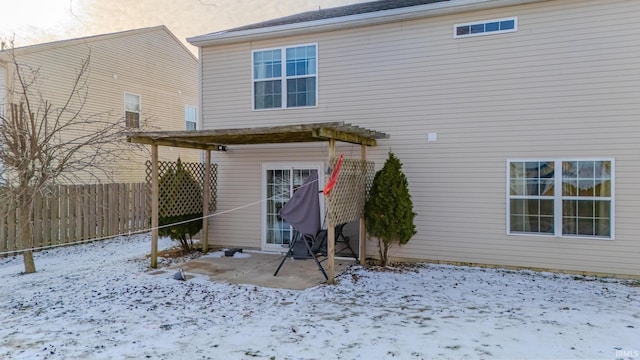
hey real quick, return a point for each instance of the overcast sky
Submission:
(38, 21)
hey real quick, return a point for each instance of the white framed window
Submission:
(190, 117)
(285, 77)
(486, 27)
(558, 197)
(132, 110)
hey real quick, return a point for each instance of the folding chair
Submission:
(320, 244)
(302, 211)
(306, 239)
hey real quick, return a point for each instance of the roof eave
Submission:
(351, 21)
(22, 50)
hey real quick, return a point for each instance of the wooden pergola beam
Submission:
(217, 140)
(328, 133)
(175, 143)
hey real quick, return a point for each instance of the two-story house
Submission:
(516, 122)
(143, 78)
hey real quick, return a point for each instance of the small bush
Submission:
(172, 184)
(389, 210)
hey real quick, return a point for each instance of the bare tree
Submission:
(42, 144)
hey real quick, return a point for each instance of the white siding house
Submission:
(516, 122)
(142, 76)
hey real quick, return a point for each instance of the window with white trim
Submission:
(486, 27)
(132, 110)
(561, 197)
(285, 77)
(190, 117)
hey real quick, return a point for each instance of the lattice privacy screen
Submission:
(346, 199)
(194, 205)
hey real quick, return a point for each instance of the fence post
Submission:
(86, 212)
(54, 212)
(4, 212)
(37, 220)
(79, 214)
(64, 214)
(127, 214)
(113, 209)
(141, 207)
(92, 210)
(71, 225)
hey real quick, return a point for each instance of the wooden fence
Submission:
(79, 212)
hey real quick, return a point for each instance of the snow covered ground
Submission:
(97, 301)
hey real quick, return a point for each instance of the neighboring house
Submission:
(144, 78)
(516, 122)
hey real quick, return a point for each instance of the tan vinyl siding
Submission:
(563, 86)
(148, 62)
(240, 188)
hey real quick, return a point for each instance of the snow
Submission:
(99, 301)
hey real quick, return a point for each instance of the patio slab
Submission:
(257, 268)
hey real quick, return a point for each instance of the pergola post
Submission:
(331, 229)
(205, 201)
(155, 191)
(219, 139)
(362, 251)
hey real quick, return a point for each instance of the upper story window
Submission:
(486, 27)
(285, 77)
(561, 198)
(131, 110)
(190, 121)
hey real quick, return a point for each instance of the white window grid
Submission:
(485, 22)
(283, 77)
(191, 117)
(137, 110)
(558, 198)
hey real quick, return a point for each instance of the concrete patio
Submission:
(257, 268)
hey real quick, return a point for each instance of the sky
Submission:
(31, 22)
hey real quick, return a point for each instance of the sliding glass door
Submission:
(279, 182)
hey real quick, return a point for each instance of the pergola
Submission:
(220, 139)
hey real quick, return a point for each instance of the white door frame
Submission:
(291, 165)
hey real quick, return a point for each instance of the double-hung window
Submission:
(132, 110)
(285, 77)
(561, 197)
(190, 114)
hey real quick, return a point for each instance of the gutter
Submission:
(352, 21)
